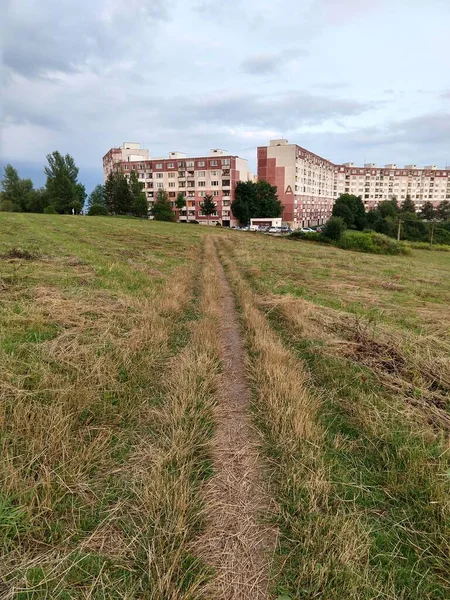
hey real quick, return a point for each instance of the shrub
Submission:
(374, 243)
(98, 210)
(50, 210)
(334, 228)
(426, 246)
(297, 234)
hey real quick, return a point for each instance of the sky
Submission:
(349, 80)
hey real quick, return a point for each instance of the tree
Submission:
(162, 209)
(253, 200)
(343, 211)
(117, 194)
(428, 212)
(98, 210)
(63, 189)
(356, 212)
(388, 208)
(139, 200)
(180, 202)
(15, 190)
(97, 196)
(334, 228)
(408, 206)
(208, 206)
(443, 211)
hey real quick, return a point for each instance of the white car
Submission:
(307, 230)
(275, 230)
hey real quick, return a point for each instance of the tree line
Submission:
(389, 216)
(62, 193)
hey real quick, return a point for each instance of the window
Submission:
(180, 163)
(201, 163)
(200, 173)
(172, 194)
(181, 174)
(213, 173)
(149, 175)
(142, 175)
(226, 161)
(159, 175)
(160, 186)
(214, 183)
(226, 182)
(170, 165)
(215, 193)
(202, 194)
(201, 183)
(214, 163)
(171, 175)
(171, 183)
(159, 165)
(125, 167)
(189, 163)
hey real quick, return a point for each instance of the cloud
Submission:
(56, 35)
(266, 63)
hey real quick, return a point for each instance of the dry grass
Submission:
(286, 412)
(238, 540)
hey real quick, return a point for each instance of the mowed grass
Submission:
(359, 449)
(109, 371)
(107, 379)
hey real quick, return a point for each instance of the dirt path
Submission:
(236, 544)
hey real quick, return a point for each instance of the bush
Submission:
(426, 246)
(49, 210)
(374, 243)
(334, 229)
(98, 210)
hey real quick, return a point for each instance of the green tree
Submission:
(117, 194)
(428, 212)
(253, 200)
(334, 228)
(97, 196)
(139, 200)
(162, 208)
(98, 210)
(180, 202)
(208, 206)
(388, 208)
(110, 193)
(15, 190)
(356, 212)
(343, 211)
(408, 206)
(63, 189)
(443, 211)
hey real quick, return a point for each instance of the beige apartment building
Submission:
(216, 174)
(308, 184)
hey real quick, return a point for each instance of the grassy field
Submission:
(110, 373)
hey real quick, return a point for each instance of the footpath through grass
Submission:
(362, 473)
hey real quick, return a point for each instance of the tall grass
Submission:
(357, 474)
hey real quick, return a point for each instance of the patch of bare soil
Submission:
(236, 543)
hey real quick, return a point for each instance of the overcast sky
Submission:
(350, 80)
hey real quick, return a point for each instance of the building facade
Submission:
(216, 175)
(308, 185)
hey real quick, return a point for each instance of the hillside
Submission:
(188, 412)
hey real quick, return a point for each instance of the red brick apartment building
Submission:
(216, 174)
(308, 184)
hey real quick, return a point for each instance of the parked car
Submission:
(286, 229)
(307, 230)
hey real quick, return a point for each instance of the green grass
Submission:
(108, 373)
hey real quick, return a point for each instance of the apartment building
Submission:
(216, 175)
(374, 184)
(305, 182)
(308, 185)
